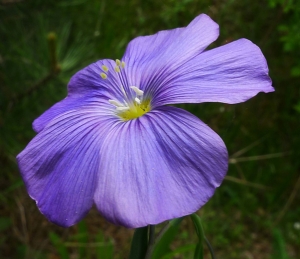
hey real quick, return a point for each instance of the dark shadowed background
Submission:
(254, 214)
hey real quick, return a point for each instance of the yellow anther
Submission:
(105, 68)
(123, 64)
(117, 69)
(118, 62)
(103, 75)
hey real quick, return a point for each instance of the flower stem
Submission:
(151, 234)
(210, 248)
(139, 243)
(162, 238)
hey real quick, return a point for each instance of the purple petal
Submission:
(86, 87)
(232, 73)
(163, 165)
(150, 58)
(67, 104)
(60, 165)
(89, 80)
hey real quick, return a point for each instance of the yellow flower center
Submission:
(128, 108)
(135, 110)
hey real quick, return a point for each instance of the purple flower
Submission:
(115, 142)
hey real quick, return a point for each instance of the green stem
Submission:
(54, 66)
(151, 234)
(139, 243)
(200, 233)
(210, 248)
(152, 245)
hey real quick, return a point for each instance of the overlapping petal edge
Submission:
(162, 165)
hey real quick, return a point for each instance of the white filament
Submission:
(116, 103)
(138, 91)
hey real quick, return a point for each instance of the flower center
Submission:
(134, 104)
(131, 109)
(134, 111)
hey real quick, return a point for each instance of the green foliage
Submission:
(59, 245)
(279, 250)
(5, 223)
(289, 30)
(161, 247)
(81, 245)
(105, 249)
(200, 233)
(139, 243)
(286, 5)
(82, 238)
(297, 107)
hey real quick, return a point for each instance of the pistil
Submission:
(130, 107)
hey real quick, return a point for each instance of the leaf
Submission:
(199, 231)
(161, 246)
(139, 243)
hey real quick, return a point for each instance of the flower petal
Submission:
(67, 104)
(150, 58)
(232, 73)
(89, 80)
(86, 87)
(163, 165)
(60, 165)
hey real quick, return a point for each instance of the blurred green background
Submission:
(254, 214)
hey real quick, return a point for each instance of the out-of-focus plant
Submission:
(289, 11)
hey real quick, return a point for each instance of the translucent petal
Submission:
(163, 165)
(87, 87)
(149, 59)
(60, 165)
(232, 73)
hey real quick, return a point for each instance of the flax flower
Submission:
(116, 142)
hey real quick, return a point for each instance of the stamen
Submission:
(115, 103)
(131, 107)
(137, 91)
(137, 100)
(117, 69)
(104, 76)
(122, 108)
(123, 91)
(123, 64)
(118, 62)
(105, 68)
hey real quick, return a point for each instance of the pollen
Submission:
(104, 68)
(117, 69)
(103, 75)
(123, 64)
(118, 62)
